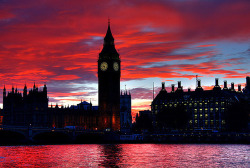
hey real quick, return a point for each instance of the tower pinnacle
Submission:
(109, 51)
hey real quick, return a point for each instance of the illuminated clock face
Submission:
(104, 66)
(116, 66)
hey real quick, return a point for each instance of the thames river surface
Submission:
(126, 155)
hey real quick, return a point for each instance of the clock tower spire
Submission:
(109, 73)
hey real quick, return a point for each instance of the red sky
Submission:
(58, 42)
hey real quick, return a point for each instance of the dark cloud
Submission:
(58, 41)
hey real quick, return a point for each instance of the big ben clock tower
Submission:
(109, 73)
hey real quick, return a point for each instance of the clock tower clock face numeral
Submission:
(104, 66)
(116, 66)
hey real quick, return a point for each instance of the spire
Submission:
(125, 90)
(45, 88)
(109, 39)
(153, 91)
(4, 91)
(25, 90)
(109, 50)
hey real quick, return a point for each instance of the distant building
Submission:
(125, 111)
(147, 113)
(84, 105)
(143, 121)
(200, 109)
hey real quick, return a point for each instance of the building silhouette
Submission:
(125, 111)
(83, 116)
(109, 73)
(27, 108)
(199, 110)
(31, 108)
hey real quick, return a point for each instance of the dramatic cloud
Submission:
(58, 42)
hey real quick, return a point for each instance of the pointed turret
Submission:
(109, 50)
(45, 88)
(4, 91)
(25, 90)
(109, 39)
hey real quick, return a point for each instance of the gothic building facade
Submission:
(29, 108)
(125, 111)
(109, 73)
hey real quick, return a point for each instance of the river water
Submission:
(126, 155)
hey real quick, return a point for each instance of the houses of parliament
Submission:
(186, 110)
(113, 114)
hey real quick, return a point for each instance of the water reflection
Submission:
(125, 155)
(111, 154)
